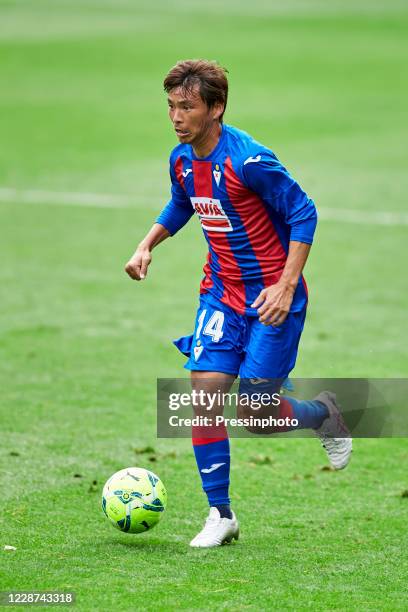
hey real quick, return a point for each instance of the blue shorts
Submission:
(225, 341)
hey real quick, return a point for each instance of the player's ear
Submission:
(217, 111)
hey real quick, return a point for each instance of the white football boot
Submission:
(333, 433)
(216, 531)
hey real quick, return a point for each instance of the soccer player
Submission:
(259, 226)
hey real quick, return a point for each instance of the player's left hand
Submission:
(274, 303)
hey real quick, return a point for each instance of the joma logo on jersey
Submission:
(212, 214)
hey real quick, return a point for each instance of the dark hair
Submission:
(208, 75)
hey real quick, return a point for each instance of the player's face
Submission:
(191, 117)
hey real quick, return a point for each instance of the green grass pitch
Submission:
(81, 346)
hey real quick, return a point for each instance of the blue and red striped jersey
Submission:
(249, 207)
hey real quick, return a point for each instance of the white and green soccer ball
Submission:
(134, 499)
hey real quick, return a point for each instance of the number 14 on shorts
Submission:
(213, 327)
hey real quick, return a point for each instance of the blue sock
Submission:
(213, 462)
(310, 414)
(225, 511)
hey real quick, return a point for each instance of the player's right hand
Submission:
(137, 265)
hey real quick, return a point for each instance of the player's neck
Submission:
(208, 142)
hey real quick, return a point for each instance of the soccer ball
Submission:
(134, 499)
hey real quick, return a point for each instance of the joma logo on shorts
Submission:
(212, 214)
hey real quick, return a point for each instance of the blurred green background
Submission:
(85, 141)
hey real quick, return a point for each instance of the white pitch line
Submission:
(369, 217)
(110, 200)
(39, 196)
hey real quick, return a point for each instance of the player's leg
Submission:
(211, 444)
(212, 453)
(298, 414)
(215, 355)
(271, 354)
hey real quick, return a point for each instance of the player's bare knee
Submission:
(251, 416)
(209, 389)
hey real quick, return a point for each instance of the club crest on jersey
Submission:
(212, 215)
(217, 174)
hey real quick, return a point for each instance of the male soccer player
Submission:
(259, 226)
